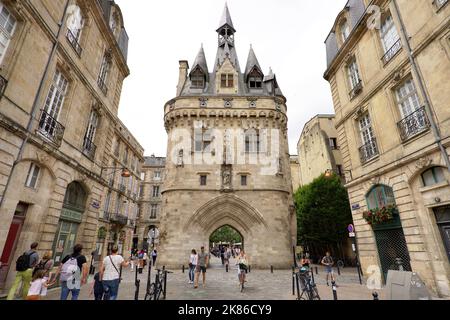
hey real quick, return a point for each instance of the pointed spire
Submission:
(226, 19)
(200, 61)
(252, 62)
(270, 76)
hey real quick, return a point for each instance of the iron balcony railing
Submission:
(74, 42)
(392, 51)
(89, 148)
(101, 83)
(368, 151)
(357, 88)
(50, 128)
(119, 219)
(415, 123)
(122, 188)
(3, 84)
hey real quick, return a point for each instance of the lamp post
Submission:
(125, 172)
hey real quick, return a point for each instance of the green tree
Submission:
(225, 234)
(323, 214)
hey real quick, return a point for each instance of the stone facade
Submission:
(219, 125)
(153, 175)
(61, 78)
(393, 124)
(295, 172)
(318, 150)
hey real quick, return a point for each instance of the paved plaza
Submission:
(222, 285)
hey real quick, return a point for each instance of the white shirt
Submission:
(193, 259)
(110, 272)
(36, 287)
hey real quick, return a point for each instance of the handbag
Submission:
(115, 267)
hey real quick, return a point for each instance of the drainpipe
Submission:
(416, 71)
(35, 107)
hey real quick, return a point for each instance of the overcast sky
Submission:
(287, 35)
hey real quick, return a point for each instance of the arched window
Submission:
(75, 196)
(380, 196)
(433, 176)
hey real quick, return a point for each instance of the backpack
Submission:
(141, 255)
(23, 262)
(40, 266)
(69, 269)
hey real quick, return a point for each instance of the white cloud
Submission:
(287, 35)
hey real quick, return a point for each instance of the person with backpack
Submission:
(73, 273)
(110, 273)
(24, 267)
(46, 264)
(141, 260)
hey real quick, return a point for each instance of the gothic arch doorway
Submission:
(226, 236)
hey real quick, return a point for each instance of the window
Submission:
(227, 80)
(243, 180)
(107, 203)
(202, 140)
(155, 193)
(33, 175)
(141, 191)
(153, 211)
(125, 156)
(255, 80)
(197, 79)
(440, 3)
(117, 148)
(75, 25)
(389, 39)
(339, 170)
(345, 30)
(380, 196)
(88, 144)
(142, 176)
(433, 176)
(104, 71)
(252, 142)
(369, 148)
(353, 74)
(7, 27)
(333, 143)
(203, 180)
(48, 124)
(407, 98)
(157, 175)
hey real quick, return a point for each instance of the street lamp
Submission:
(125, 172)
(329, 173)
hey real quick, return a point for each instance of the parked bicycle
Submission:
(308, 287)
(158, 288)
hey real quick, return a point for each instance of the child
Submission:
(97, 287)
(37, 284)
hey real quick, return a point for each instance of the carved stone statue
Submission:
(226, 176)
(180, 158)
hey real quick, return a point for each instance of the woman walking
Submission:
(193, 260)
(110, 273)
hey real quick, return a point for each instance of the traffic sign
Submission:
(350, 228)
(351, 234)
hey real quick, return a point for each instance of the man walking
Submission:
(24, 267)
(203, 259)
(328, 262)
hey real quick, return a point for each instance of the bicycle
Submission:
(159, 286)
(242, 272)
(309, 288)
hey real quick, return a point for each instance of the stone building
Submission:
(295, 172)
(153, 174)
(62, 68)
(318, 149)
(228, 158)
(388, 66)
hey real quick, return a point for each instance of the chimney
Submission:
(184, 67)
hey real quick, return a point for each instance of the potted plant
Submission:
(381, 215)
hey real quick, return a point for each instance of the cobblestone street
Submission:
(220, 285)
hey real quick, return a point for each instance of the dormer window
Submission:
(226, 80)
(197, 79)
(345, 30)
(255, 79)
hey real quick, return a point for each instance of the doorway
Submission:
(223, 238)
(12, 240)
(443, 221)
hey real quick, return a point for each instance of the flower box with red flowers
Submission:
(380, 215)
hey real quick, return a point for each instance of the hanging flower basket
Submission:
(380, 215)
(101, 233)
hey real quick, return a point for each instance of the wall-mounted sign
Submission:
(95, 204)
(355, 206)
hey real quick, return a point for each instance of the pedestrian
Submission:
(227, 256)
(74, 272)
(141, 260)
(38, 283)
(97, 287)
(154, 256)
(24, 267)
(327, 261)
(46, 264)
(222, 254)
(145, 258)
(193, 261)
(203, 259)
(110, 273)
(133, 260)
(305, 262)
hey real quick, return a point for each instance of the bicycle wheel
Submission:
(315, 294)
(340, 264)
(150, 293)
(159, 291)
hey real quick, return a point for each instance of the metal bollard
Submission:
(249, 268)
(137, 283)
(375, 295)
(312, 276)
(165, 285)
(339, 270)
(164, 268)
(317, 270)
(333, 286)
(271, 269)
(226, 267)
(183, 268)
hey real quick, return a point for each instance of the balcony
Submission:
(119, 219)
(122, 188)
(414, 124)
(89, 148)
(74, 42)
(357, 88)
(368, 151)
(391, 52)
(50, 128)
(3, 84)
(107, 215)
(101, 83)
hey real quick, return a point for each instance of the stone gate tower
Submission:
(227, 159)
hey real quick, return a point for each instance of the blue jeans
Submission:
(111, 289)
(191, 272)
(65, 291)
